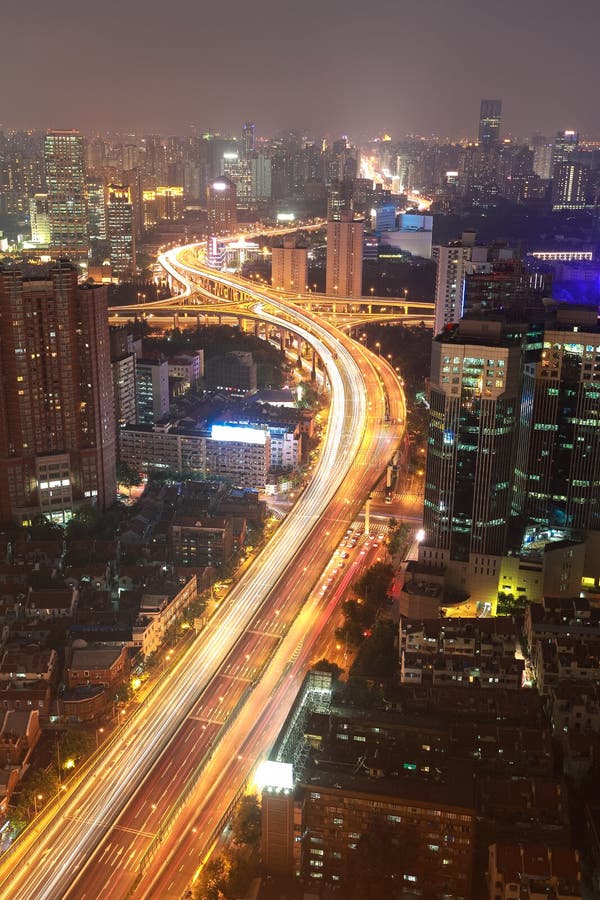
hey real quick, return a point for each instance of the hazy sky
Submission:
(329, 66)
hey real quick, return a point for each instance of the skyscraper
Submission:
(557, 472)
(221, 206)
(569, 185)
(57, 430)
(344, 256)
(248, 140)
(65, 185)
(489, 122)
(120, 229)
(543, 150)
(565, 144)
(474, 398)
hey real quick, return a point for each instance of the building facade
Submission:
(57, 443)
(289, 266)
(65, 186)
(344, 256)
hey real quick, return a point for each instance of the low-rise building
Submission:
(52, 603)
(532, 871)
(19, 733)
(206, 541)
(97, 664)
(161, 608)
(234, 373)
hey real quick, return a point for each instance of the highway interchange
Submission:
(220, 705)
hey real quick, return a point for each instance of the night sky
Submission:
(328, 66)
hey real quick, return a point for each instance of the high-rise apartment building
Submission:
(543, 150)
(451, 262)
(569, 185)
(221, 205)
(57, 431)
(39, 219)
(122, 360)
(65, 186)
(489, 122)
(95, 192)
(120, 228)
(474, 407)
(152, 390)
(289, 266)
(260, 176)
(344, 256)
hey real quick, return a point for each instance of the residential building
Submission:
(97, 664)
(161, 608)
(152, 390)
(260, 177)
(529, 871)
(122, 357)
(235, 453)
(234, 373)
(344, 256)
(289, 266)
(57, 443)
(204, 541)
(187, 369)
(451, 262)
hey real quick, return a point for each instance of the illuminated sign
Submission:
(219, 186)
(286, 217)
(277, 775)
(241, 434)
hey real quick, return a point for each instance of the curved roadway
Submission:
(64, 853)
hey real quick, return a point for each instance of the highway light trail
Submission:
(48, 859)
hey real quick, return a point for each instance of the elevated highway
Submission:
(97, 840)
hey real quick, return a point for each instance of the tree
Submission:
(75, 744)
(44, 529)
(84, 523)
(246, 821)
(212, 883)
(377, 657)
(375, 584)
(324, 665)
(127, 476)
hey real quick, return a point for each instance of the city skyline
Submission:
(291, 68)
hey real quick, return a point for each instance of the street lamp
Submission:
(37, 797)
(378, 345)
(99, 731)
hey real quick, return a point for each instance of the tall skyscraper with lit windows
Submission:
(65, 186)
(57, 428)
(120, 229)
(489, 122)
(221, 206)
